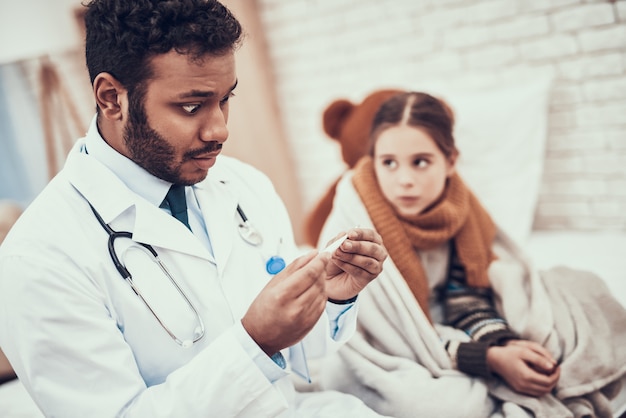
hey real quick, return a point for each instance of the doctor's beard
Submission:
(151, 151)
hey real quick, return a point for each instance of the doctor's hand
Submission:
(289, 305)
(357, 261)
(525, 365)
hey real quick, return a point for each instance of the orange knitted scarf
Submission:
(458, 216)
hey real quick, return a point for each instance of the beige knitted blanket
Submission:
(397, 363)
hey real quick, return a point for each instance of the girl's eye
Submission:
(420, 163)
(390, 163)
(191, 108)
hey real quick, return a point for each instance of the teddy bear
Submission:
(349, 124)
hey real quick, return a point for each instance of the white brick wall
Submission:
(325, 49)
(583, 16)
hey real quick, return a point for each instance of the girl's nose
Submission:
(406, 177)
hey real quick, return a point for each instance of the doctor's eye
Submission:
(191, 108)
(225, 100)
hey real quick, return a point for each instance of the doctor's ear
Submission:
(111, 97)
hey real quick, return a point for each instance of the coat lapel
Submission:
(219, 207)
(126, 211)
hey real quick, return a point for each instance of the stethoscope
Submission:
(275, 264)
(248, 232)
(113, 235)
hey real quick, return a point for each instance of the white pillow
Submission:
(500, 131)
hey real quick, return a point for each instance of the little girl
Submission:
(458, 324)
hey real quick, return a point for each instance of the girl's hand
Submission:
(525, 365)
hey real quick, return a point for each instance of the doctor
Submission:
(147, 279)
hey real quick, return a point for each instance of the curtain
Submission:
(256, 130)
(40, 119)
(22, 158)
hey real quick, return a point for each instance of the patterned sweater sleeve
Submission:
(471, 310)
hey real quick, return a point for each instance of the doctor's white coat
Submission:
(84, 344)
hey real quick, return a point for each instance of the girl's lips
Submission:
(408, 199)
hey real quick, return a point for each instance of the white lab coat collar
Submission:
(97, 179)
(135, 177)
(218, 203)
(125, 210)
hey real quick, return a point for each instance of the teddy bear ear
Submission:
(335, 115)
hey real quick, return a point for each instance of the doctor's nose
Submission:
(214, 127)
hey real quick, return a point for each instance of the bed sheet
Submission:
(603, 253)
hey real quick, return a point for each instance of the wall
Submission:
(325, 49)
(32, 28)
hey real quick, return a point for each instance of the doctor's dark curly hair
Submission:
(122, 35)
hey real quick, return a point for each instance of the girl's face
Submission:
(410, 168)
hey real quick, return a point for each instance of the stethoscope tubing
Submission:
(123, 271)
(273, 266)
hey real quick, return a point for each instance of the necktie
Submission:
(175, 198)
